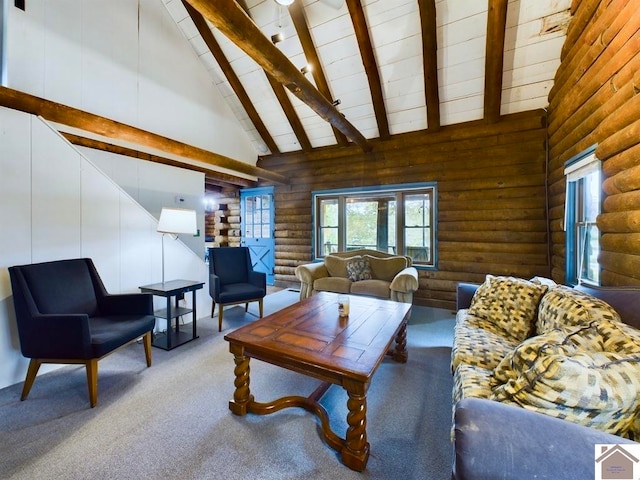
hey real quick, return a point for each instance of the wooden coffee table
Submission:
(308, 337)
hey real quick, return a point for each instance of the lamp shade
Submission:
(177, 220)
(284, 3)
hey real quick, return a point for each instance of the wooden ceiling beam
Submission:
(296, 10)
(230, 74)
(430, 62)
(73, 117)
(235, 24)
(284, 100)
(370, 66)
(290, 113)
(223, 178)
(494, 60)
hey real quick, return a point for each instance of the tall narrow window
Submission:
(583, 200)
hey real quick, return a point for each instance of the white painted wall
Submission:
(126, 60)
(154, 186)
(56, 204)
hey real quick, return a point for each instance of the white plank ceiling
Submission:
(534, 33)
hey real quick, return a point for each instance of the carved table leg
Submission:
(242, 397)
(400, 353)
(355, 452)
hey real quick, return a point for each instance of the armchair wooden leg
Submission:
(213, 307)
(32, 371)
(220, 317)
(246, 307)
(260, 306)
(146, 340)
(92, 380)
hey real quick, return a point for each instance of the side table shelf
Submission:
(174, 337)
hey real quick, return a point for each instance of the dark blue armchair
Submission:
(232, 279)
(65, 315)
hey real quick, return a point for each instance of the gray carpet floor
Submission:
(172, 420)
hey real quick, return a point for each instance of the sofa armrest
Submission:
(307, 274)
(405, 281)
(464, 294)
(499, 441)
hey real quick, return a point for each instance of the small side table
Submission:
(174, 288)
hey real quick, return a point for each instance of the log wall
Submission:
(596, 101)
(491, 198)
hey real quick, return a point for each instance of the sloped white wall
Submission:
(56, 204)
(125, 60)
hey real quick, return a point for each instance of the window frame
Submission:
(576, 171)
(399, 191)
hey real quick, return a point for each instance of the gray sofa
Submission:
(360, 272)
(498, 437)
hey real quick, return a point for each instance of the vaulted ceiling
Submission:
(379, 67)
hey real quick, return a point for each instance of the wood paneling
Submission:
(596, 101)
(491, 198)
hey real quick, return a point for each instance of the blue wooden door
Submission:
(257, 223)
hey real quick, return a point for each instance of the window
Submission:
(584, 189)
(397, 219)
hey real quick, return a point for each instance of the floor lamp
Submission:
(174, 221)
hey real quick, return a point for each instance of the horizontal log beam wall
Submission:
(596, 101)
(491, 198)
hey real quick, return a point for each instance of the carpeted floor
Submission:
(172, 421)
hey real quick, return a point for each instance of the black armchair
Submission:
(232, 279)
(65, 315)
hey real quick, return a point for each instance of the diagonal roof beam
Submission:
(234, 81)
(284, 100)
(235, 24)
(296, 10)
(430, 62)
(90, 122)
(370, 65)
(496, 26)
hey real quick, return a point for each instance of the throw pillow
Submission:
(564, 307)
(557, 341)
(358, 269)
(508, 304)
(595, 389)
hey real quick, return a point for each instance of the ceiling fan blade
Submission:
(337, 4)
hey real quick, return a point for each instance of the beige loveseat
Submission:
(361, 272)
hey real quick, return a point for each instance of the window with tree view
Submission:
(397, 220)
(583, 199)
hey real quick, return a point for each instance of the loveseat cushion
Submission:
(508, 305)
(332, 284)
(471, 381)
(337, 266)
(358, 268)
(564, 374)
(374, 288)
(564, 307)
(386, 268)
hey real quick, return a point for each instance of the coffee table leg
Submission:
(355, 452)
(241, 396)
(400, 353)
